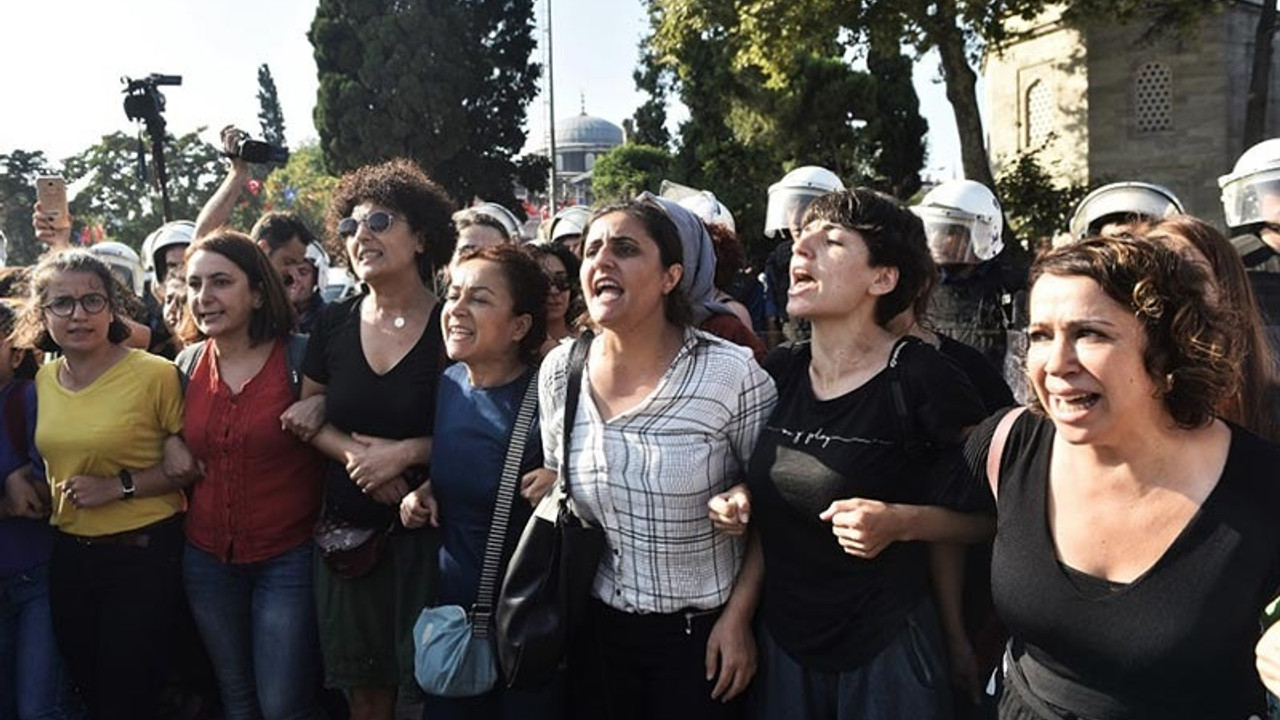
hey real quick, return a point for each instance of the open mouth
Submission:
(606, 288)
(1076, 403)
(801, 281)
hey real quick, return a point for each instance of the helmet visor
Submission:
(1253, 198)
(958, 238)
(786, 209)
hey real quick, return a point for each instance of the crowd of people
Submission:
(956, 489)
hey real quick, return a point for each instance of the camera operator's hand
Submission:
(232, 136)
(54, 233)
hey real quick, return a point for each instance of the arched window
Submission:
(1039, 114)
(1153, 98)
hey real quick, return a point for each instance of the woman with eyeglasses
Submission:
(377, 357)
(564, 297)
(104, 415)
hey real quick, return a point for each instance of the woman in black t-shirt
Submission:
(1137, 542)
(863, 416)
(376, 358)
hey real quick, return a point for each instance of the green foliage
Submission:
(270, 115)
(1037, 207)
(127, 209)
(18, 172)
(302, 186)
(443, 83)
(628, 170)
(768, 89)
(650, 119)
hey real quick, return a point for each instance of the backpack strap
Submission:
(897, 391)
(187, 361)
(995, 452)
(295, 351)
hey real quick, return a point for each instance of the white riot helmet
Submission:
(319, 259)
(702, 203)
(123, 261)
(178, 232)
(962, 221)
(497, 212)
(789, 197)
(1123, 199)
(569, 221)
(1251, 193)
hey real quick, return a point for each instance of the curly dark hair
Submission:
(1250, 406)
(1188, 352)
(894, 237)
(31, 330)
(663, 231)
(401, 186)
(528, 286)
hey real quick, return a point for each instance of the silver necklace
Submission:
(398, 322)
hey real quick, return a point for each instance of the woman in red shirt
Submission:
(248, 562)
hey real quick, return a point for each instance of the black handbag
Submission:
(550, 574)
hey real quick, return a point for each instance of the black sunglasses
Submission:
(560, 282)
(377, 221)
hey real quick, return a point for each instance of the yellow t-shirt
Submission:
(120, 421)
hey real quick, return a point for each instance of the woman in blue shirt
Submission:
(494, 322)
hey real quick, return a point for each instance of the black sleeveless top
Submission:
(1178, 641)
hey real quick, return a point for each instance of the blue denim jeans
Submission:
(258, 623)
(33, 682)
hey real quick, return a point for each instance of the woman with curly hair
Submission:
(376, 358)
(1254, 403)
(1137, 542)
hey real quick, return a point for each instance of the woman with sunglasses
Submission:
(377, 357)
(105, 413)
(564, 297)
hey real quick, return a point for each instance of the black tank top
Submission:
(1175, 643)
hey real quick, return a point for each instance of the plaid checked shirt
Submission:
(646, 475)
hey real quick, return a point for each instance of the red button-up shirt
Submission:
(261, 490)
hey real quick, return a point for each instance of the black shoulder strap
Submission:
(15, 416)
(187, 361)
(898, 391)
(295, 351)
(483, 609)
(577, 362)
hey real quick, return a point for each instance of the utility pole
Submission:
(551, 116)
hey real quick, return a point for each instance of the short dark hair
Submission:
(1188, 348)
(277, 229)
(401, 186)
(528, 286)
(894, 237)
(31, 330)
(275, 318)
(659, 226)
(731, 256)
(10, 311)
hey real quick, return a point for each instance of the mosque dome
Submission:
(587, 130)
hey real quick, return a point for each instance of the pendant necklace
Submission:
(398, 322)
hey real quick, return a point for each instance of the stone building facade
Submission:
(1105, 105)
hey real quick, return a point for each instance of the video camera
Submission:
(259, 152)
(143, 99)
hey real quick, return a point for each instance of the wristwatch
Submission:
(126, 484)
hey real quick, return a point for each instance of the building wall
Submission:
(1093, 74)
(1047, 69)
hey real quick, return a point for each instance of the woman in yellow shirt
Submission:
(104, 415)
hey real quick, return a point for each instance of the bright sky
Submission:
(62, 98)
